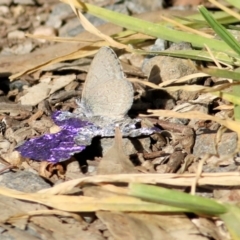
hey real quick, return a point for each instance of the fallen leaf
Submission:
(90, 204)
(61, 81)
(115, 161)
(35, 94)
(42, 90)
(125, 226)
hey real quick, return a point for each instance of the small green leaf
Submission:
(222, 73)
(232, 220)
(220, 30)
(152, 29)
(235, 3)
(177, 199)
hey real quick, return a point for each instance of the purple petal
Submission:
(51, 147)
(68, 120)
(55, 147)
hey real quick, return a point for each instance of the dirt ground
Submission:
(71, 194)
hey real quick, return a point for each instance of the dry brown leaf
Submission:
(36, 94)
(115, 161)
(80, 53)
(45, 213)
(86, 204)
(42, 90)
(61, 81)
(59, 39)
(25, 64)
(179, 226)
(17, 214)
(16, 233)
(126, 226)
(207, 228)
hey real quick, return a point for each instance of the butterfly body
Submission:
(106, 91)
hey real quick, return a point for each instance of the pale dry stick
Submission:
(198, 173)
(183, 79)
(8, 166)
(85, 52)
(221, 87)
(168, 82)
(225, 9)
(58, 39)
(219, 134)
(223, 63)
(224, 107)
(146, 83)
(12, 219)
(219, 179)
(217, 139)
(187, 29)
(190, 88)
(92, 29)
(212, 56)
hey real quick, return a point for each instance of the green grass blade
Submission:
(152, 29)
(197, 21)
(231, 97)
(220, 30)
(236, 91)
(177, 199)
(235, 3)
(222, 73)
(199, 55)
(232, 220)
(233, 43)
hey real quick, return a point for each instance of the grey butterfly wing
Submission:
(106, 92)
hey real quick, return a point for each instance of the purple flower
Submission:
(75, 135)
(55, 147)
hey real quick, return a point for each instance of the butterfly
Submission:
(106, 99)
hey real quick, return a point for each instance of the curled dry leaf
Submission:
(131, 227)
(115, 161)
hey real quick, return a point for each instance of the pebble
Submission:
(73, 27)
(24, 2)
(130, 146)
(170, 67)
(16, 35)
(59, 13)
(24, 48)
(24, 181)
(46, 31)
(5, 2)
(4, 10)
(205, 143)
(140, 6)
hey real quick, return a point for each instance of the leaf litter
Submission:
(105, 181)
